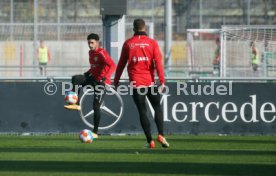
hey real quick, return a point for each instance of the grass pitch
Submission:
(125, 155)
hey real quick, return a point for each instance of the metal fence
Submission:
(188, 14)
(248, 51)
(65, 41)
(64, 24)
(235, 51)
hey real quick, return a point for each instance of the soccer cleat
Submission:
(150, 145)
(163, 141)
(95, 136)
(73, 107)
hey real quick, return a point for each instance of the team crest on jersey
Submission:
(131, 45)
(95, 59)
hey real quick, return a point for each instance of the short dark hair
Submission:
(93, 36)
(138, 24)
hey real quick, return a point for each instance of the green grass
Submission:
(124, 155)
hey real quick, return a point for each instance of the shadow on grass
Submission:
(142, 151)
(141, 167)
(223, 140)
(196, 139)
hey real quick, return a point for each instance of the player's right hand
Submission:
(161, 88)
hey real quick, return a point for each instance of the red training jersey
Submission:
(143, 56)
(101, 65)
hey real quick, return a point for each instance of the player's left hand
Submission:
(102, 81)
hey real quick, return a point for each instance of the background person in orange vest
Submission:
(43, 56)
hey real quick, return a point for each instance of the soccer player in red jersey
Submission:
(101, 68)
(143, 56)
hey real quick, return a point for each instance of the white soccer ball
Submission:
(86, 136)
(71, 97)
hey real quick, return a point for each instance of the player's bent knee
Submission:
(78, 79)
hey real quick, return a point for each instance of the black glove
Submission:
(102, 80)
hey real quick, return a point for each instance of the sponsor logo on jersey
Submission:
(134, 59)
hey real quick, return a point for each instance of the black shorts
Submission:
(42, 64)
(86, 80)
